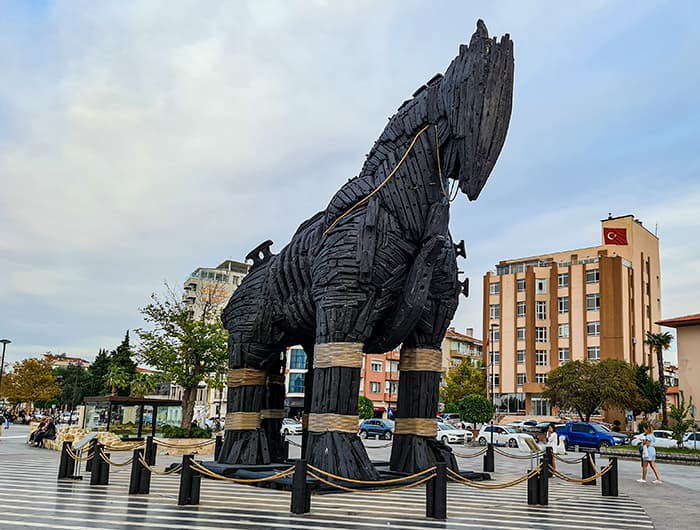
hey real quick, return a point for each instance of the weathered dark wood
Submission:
(378, 266)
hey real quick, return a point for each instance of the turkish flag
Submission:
(615, 236)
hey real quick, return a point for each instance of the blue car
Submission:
(594, 435)
(377, 427)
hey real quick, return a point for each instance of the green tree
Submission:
(649, 392)
(185, 350)
(462, 380)
(97, 375)
(74, 381)
(122, 368)
(365, 408)
(681, 422)
(660, 342)
(584, 386)
(30, 380)
(143, 384)
(475, 408)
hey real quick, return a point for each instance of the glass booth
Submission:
(131, 418)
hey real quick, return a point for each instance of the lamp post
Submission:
(5, 342)
(492, 327)
(489, 457)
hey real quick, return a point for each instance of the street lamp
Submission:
(492, 327)
(5, 342)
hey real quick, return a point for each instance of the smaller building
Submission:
(458, 346)
(63, 361)
(379, 381)
(212, 287)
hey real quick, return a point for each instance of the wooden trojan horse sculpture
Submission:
(376, 269)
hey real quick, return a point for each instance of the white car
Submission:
(691, 440)
(289, 426)
(452, 435)
(663, 439)
(523, 425)
(502, 435)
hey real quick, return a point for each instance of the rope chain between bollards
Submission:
(112, 463)
(570, 460)
(473, 455)
(380, 490)
(584, 480)
(518, 457)
(125, 446)
(211, 474)
(78, 458)
(160, 441)
(157, 472)
(455, 477)
(372, 482)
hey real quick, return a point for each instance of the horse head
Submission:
(476, 93)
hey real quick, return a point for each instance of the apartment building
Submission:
(687, 375)
(379, 381)
(459, 346)
(212, 287)
(590, 303)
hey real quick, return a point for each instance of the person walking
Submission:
(649, 460)
(552, 440)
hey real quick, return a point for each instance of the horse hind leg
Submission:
(273, 412)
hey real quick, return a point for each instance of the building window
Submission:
(563, 302)
(521, 379)
(495, 288)
(594, 353)
(495, 357)
(297, 359)
(520, 285)
(541, 286)
(521, 356)
(593, 276)
(593, 302)
(540, 407)
(563, 331)
(376, 366)
(541, 357)
(541, 334)
(541, 310)
(521, 333)
(563, 279)
(374, 387)
(494, 380)
(593, 329)
(541, 378)
(391, 387)
(495, 335)
(521, 309)
(563, 355)
(495, 311)
(296, 383)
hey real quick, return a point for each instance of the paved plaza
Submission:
(33, 498)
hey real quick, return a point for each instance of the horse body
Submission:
(376, 269)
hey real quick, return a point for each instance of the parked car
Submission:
(452, 435)
(69, 417)
(594, 435)
(451, 418)
(691, 440)
(377, 427)
(523, 425)
(502, 435)
(214, 423)
(663, 439)
(289, 426)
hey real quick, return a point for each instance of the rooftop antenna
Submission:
(656, 229)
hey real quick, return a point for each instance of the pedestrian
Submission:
(649, 459)
(8, 419)
(552, 440)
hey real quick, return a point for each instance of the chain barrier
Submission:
(584, 480)
(115, 464)
(455, 477)
(380, 490)
(125, 446)
(570, 460)
(518, 457)
(78, 458)
(211, 474)
(153, 470)
(375, 482)
(160, 442)
(592, 461)
(473, 455)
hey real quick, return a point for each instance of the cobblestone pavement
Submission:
(32, 498)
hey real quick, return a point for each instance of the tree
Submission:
(74, 381)
(475, 408)
(584, 386)
(681, 422)
(122, 368)
(365, 408)
(143, 384)
(649, 393)
(30, 380)
(462, 380)
(660, 342)
(97, 375)
(185, 350)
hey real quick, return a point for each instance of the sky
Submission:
(141, 140)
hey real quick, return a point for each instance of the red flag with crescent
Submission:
(615, 236)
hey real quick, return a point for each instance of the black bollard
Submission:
(151, 451)
(436, 494)
(104, 473)
(533, 489)
(91, 455)
(137, 484)
(190, 481)
(489, 459)
(301, 494)
(97, 467)
(587, 467)
(543, 486)
(547, 460)
(66, 466)
(219, 443)
(609, 480)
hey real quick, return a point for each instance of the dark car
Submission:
(377, 427)
(586, 434)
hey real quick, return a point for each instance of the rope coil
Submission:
(420, 360)
(330, 354)
(455, 477)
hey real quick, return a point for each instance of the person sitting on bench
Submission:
(48, 432)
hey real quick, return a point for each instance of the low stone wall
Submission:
(672, 458)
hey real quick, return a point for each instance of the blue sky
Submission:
(140, 140)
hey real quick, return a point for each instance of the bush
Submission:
(172, 431)
(365, 408)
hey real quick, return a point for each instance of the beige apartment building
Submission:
(458, 346)
(212, 287)
(591, 303)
